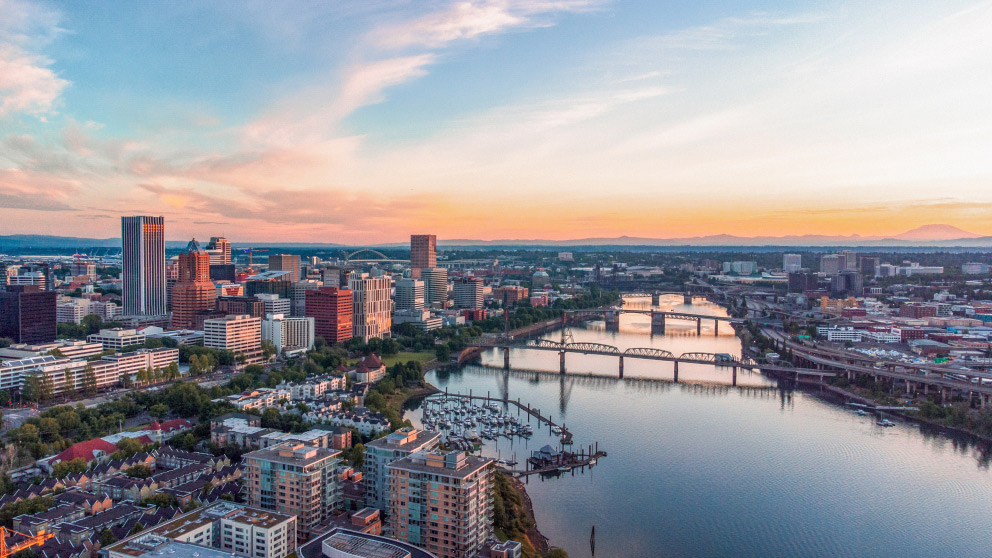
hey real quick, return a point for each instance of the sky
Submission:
(363, 122)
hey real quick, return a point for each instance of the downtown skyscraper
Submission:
(143, 265)
(423, 253)
(194, 294)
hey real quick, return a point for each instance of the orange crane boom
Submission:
(28, 542)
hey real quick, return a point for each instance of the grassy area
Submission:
(390, 360)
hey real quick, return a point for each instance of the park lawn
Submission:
(403, 357)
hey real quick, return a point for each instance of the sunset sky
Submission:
(362, 122)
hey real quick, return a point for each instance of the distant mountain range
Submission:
(936, 235)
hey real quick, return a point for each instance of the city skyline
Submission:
(357, 123)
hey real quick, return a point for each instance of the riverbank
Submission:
(514, 516)
(812, 386)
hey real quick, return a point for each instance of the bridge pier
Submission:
(506, 358)
(699, 326)
(735, 377)
(716, 328)
(561, 358)
(612, 321)
(655, 299)
(621, 367)
(676, 371)
(658, 323)
(687, 299)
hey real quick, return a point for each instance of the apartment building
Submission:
(380, 453)
(442, 502)
(294, 479)
(228, 526)
(372, 303)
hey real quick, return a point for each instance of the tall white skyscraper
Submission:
(143, 265)
(409, 294)
(435, 286)
(792, 263)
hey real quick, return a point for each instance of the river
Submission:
(701, 468)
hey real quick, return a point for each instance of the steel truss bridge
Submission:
(721, 360)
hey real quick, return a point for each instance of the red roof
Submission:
(175, 424)
(372, 361)
(144, 439)
(154, 426)
(86, 450)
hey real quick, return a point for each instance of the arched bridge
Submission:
(370, 255)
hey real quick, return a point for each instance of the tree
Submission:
(71, 467)
(46, 387)
(172, 371)
(92, 323)
(4, 397)
(357, 457)
(139, 471)
(268, 349)
(107, 537)
(89, 380)
(159, 410)
(32, 389)
(142, 376)
(161, 500)
(126, 448)
(138, 527)
(207, 488)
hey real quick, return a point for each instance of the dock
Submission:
(566, 436)
(564, 461)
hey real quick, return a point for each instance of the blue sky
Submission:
(365, 121)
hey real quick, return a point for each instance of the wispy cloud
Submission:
(473, 19)
(28, 84)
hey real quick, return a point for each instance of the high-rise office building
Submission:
(441, 502)
(275, 304)
(223, 248)
(792, 263)
(849, 260)
(332, 310)
(832, 264)
(800, 282)
(383, 451)
(143, 265)
(294, 479)
(241, 334)
(288, 333)
(28, 314)
(409, 294)
(372, 305)
(868, 265)
(270, 282)
(241, 305)
(193, 294)
(468, 292)
(286, 262)
(423, 252)
(435, 286)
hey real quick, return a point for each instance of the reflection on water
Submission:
(701, 468)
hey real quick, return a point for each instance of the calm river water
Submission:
(705, 469)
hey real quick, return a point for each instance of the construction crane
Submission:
(250, 251)
(28, 542)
